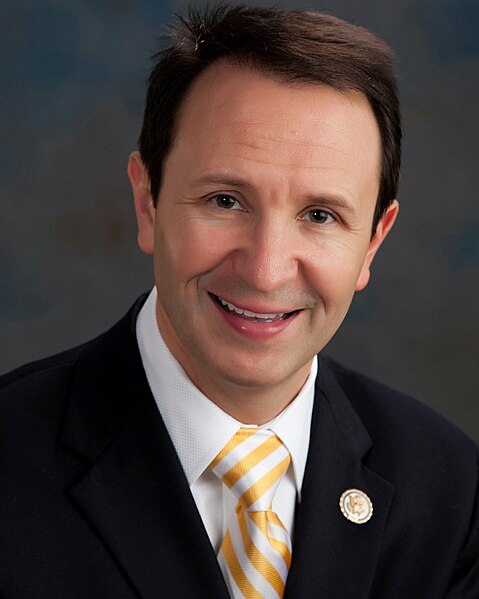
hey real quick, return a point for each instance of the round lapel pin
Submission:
(356, 506)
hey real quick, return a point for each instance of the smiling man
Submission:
(202, 448)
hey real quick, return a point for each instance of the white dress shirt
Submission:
(199, 429)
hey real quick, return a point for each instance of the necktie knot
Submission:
(252, 464)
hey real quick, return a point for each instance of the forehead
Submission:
(235, 112)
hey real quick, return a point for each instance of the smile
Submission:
(252, 316)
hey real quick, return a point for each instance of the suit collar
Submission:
(333, 557)
(107, 377)
(134, 493)
(346, 420)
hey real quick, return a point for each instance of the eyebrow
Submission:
(218, 179)
(332, 201)
(327, 200)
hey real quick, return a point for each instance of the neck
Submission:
(252, 405)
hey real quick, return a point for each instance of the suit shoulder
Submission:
(43, 380)
(38, 377)
(393, 417)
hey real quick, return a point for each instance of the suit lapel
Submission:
(135, 494)
(333, 557)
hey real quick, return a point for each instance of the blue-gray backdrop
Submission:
(71, 96)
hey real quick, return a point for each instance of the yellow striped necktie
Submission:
(256, 551)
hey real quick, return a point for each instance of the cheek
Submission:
(334, 270)
(190, 250)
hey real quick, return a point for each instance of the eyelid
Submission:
(319, 209)
(214, 196)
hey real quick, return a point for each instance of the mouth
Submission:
(258, 317)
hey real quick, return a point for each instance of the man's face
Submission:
(262, 231)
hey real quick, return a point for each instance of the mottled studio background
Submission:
(71, 96)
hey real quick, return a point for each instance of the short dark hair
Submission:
(296, 47)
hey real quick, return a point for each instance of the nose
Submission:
(268, 257)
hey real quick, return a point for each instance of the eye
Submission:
(226, 202)
(318, 216)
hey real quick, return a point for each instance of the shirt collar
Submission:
(293, 426)
(198, 428)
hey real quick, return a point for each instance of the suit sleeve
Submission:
(465, 583)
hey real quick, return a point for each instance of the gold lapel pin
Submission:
(356, 506)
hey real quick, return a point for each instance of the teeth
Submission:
(248, 313)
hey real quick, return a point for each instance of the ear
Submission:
(144, 208)
(383, 228)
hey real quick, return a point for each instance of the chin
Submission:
(256, 373)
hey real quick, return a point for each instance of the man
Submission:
(200, 448)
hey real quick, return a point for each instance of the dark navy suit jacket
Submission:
(94, 503)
